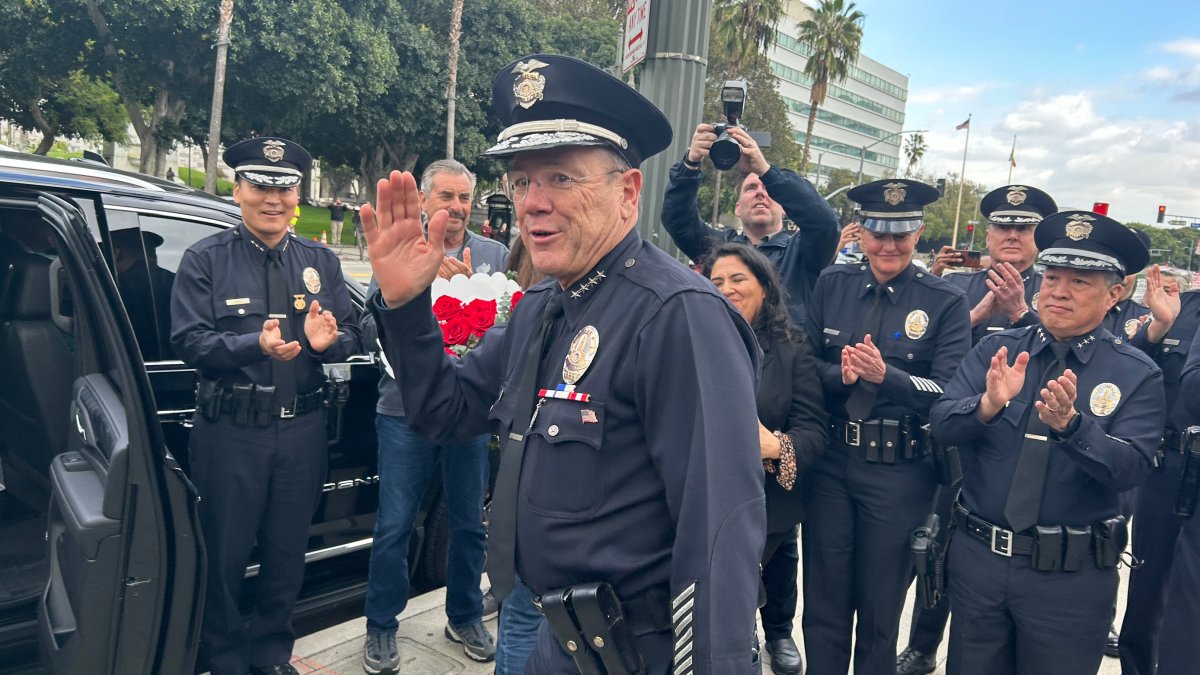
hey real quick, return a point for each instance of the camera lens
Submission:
(725, 152)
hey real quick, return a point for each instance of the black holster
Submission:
(946, 460)
(208, 399)
(1110, 536)
(263, 410)
(588, 623)
(337, 392)
(241, 404)
(929, 562)
(1189, 484)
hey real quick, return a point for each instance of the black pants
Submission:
(256, 484)
(1155, 533)
(781, 565)
(1179, 646)
(1010, 618)
(857, 560)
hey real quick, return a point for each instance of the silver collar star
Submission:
(588, 285)
(1082, 344)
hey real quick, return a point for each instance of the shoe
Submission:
(477, 642)
(913, 662)
(1113, 646)
(491, 606)
(277, 669)
(785, 657)
(380, 654)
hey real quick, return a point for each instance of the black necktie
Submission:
(862, 399)
(283, 373)
(502, 528)
(1025, 494)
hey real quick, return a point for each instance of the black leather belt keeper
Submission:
(600, 632)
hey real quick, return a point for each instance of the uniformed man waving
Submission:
(630, 481)
(256, 311)
(890, 336)
(1059, 420)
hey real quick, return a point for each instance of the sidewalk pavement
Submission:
(352, 267)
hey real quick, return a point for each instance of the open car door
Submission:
(126, 573)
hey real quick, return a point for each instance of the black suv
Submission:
(101, 565)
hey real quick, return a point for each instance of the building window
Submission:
(848, 150)
(798, 77)
(801, 108)
(793, 45)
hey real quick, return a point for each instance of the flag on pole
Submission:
(1012, 156)
(964, 125)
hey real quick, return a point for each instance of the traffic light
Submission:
(970, 228)
(1100, 207)
(1162, 212)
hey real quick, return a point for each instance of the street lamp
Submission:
(862, 152)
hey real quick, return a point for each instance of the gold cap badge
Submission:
(529, 85)
(1016, 195)
(894, 193)
(1079, 227)
(273, 150)
(1105, 398)
(915, 324)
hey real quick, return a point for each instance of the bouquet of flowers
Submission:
(466, 308)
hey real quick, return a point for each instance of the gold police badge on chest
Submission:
(312, 280)
(1105, 398)
(915, 324)
(299, 302)
(583, 350)
(1131, 328)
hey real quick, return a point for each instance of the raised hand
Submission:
(403, 260)
(1163, 301)
(451, 265)
(752, 160)
(270, 341)
(320, 327)
(984, 310)
(701, 144)
(1057, 406)
(1003, 382)
(1008, 289)
(947, 257)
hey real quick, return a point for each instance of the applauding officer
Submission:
(889, 336)
(256, 311)
(623, 389)
(1060, 419)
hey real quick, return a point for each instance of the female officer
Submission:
(888, 337)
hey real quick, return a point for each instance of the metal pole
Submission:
(214, 117)
(817, 178)
(673, 79)
(452, 85)
(962, 183)
(862, 155)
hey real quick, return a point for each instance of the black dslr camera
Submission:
(725, 151)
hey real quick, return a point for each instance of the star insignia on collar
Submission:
(588, 285)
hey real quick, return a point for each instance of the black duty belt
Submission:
(1172, 441)
(304, 404)
(1053, 548)
(647, 612)
(1001, 541)
(884, 441)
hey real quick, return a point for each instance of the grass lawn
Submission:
(314, 219)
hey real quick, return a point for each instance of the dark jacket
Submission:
(790, 400)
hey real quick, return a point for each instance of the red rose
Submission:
(447, 308)
(481, 322)
(451, 352)
(456, 331)
(480, 307)
(516, 297)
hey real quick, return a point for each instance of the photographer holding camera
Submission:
(765, 195)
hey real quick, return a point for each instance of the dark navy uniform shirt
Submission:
(799, 256)
(657, 479)
(219, 304)
(1120, 401)
(925, 333)
(1122, 319)
(975, 286)
(1172, 353)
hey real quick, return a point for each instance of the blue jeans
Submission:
(406, 462)
(519, 623)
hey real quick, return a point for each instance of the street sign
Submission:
(637, 21)
(1177, 221)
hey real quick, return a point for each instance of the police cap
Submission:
(268, 161)
(547, 101)
(893, 205)
(128, 238)
(1089, 241)
(1016, 205)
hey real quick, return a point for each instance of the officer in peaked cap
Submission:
(1058, 420)
(258, 311)
(889, 336)
(1002, 297)
(595, 387)
(1128, 315)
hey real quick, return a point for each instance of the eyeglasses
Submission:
(550, 180)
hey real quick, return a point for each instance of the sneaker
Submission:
(913, 662)
(491, 606)
(477, 642)
(380, 654)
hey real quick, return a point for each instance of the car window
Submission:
(147, 250)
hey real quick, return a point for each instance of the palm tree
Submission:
(744, 28)
(835, 35)
(914, 150)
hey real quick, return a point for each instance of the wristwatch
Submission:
(689, 164)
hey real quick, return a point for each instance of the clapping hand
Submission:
(1057, 406)
(270, 341)
(1003, 382)
(320, 327)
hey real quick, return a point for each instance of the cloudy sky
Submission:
(1103, 96)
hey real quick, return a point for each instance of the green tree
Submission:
(835, 34)
(743, 29)
(914, 150)
(939, 216)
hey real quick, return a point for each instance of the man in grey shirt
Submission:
(407, 460)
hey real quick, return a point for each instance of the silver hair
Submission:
(1113, 278)
(1181, 276)
(450, 166)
